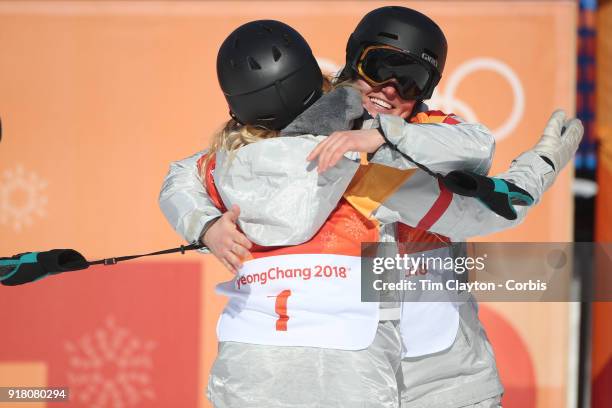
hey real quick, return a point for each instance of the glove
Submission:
(32, 266)
(560, 140)
(497, 194)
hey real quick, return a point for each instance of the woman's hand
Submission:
(331, 150)
(228, 244)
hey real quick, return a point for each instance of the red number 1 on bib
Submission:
(281, 310)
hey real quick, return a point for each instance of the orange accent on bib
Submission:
(373, 184)
(434, 117)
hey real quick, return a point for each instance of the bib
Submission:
(309, 300)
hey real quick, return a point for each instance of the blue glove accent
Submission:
(499, 195)
(500, 186)
(514, 197)
(15, 264)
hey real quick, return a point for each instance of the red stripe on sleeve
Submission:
(437, 209)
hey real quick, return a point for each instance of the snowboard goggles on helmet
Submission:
(383, 64)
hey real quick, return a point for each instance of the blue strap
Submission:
(27, 258)
(502, 187)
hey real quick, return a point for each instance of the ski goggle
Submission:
(383, 64)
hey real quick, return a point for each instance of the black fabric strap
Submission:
(113, 261)
(410, 159)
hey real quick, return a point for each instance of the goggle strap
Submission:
(410, 159)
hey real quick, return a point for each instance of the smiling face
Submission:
(383, 99)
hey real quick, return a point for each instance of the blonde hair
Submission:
(233, 135)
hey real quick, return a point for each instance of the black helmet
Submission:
(402, 28)
(268, 74)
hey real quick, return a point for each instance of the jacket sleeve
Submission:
(441, 147)
(423, 202)
(184, 201)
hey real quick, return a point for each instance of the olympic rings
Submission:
(448, 101)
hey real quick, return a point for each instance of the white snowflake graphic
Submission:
(355, 227)
(21, 197)
(329, 239)
(110, 368)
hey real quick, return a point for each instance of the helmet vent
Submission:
(233, 63)
(267, 118)
(308, 97)
(276, 53)
(236, 42)
(253, 64)
(287, 40)
(268, 29)
(388, 35)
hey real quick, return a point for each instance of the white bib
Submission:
(428, 327)
(298, 300)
